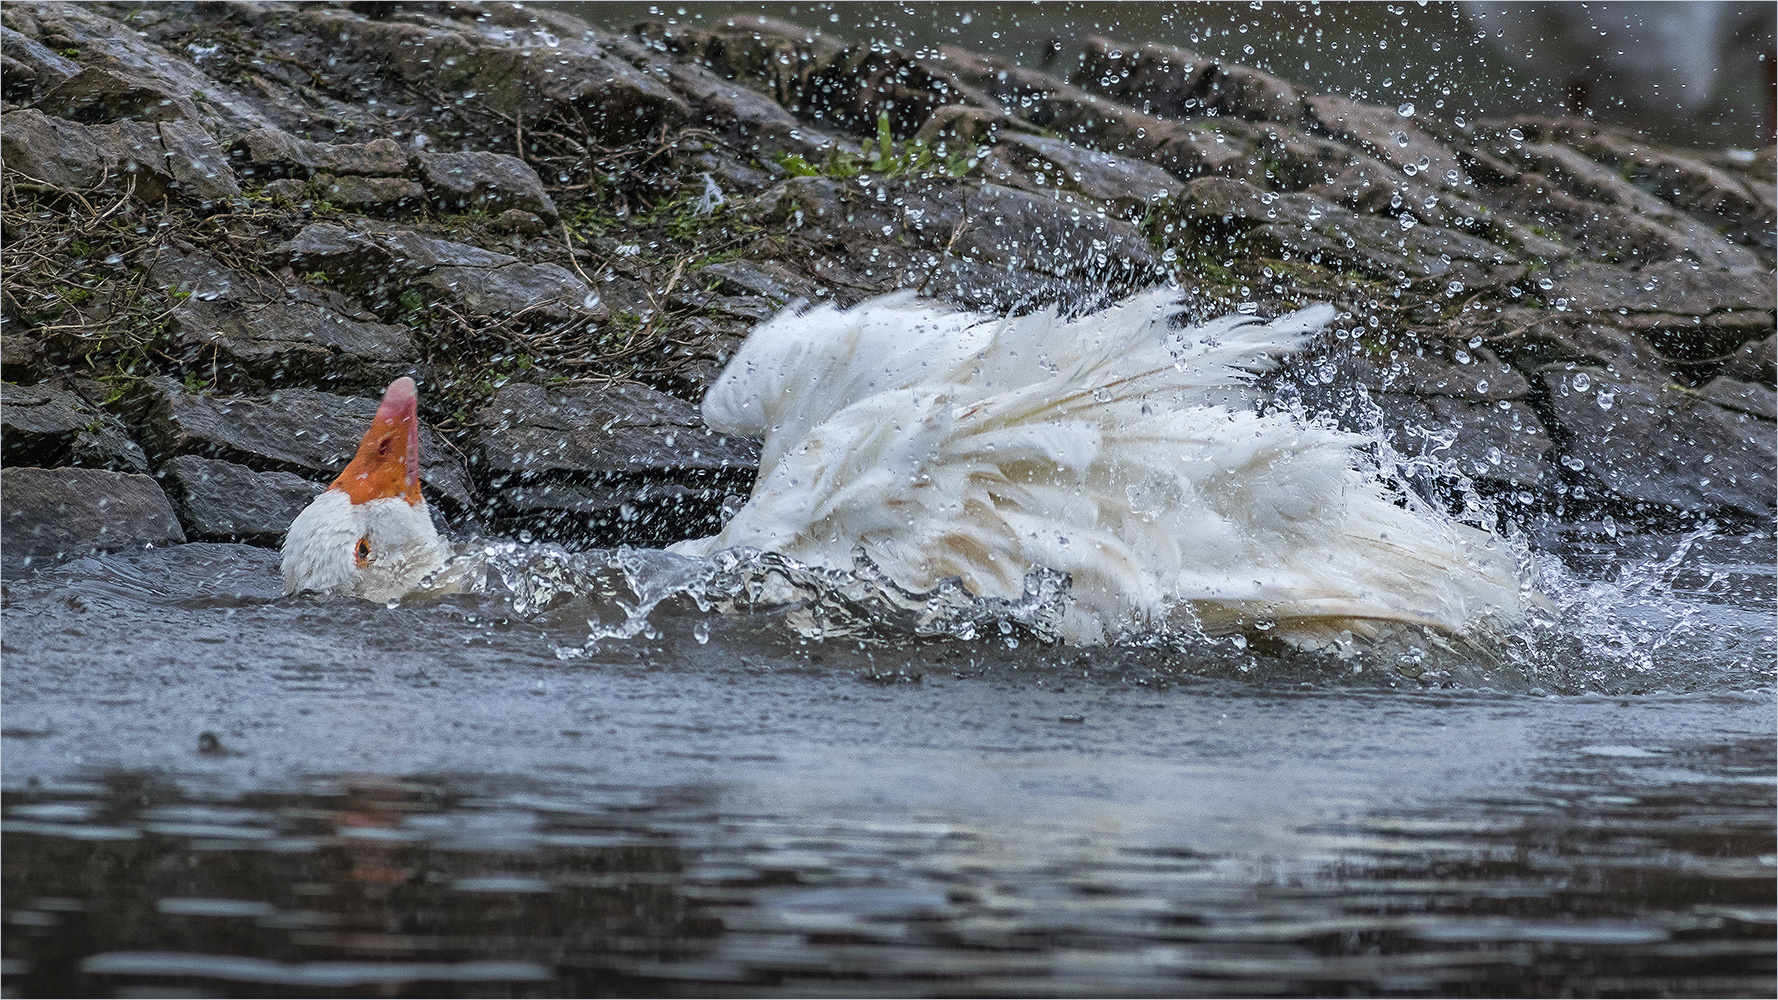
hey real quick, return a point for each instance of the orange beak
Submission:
(388, 459)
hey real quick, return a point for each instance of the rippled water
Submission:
(213, 789)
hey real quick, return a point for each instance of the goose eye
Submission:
(362, 552)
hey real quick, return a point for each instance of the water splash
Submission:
(1680, 619)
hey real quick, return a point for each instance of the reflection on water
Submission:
(1626, 871)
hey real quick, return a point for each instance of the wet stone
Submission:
(273, 153)
(610, 513)
(773, 282)
(220, 499)
(46, 426)
(1598, 287)
(485, 182)
(1746, 397)
(1116, 180)
(1504, 442)
(176, 159)
(52, 515)
(983, 245)
(369, 195)
(622, 429)
(1755, 361)
(250, 330)
(31, 65)
(516, 220)
(22, 358)
(1658, 443)
(97, 96)
(382, 264)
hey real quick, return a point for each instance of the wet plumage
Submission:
(1115, 447)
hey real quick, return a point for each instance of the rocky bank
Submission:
(228, 225)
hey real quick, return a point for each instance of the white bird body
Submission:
(1112, 447)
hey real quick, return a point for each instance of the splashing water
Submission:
(1683, 620)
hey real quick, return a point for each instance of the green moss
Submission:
(882, 156)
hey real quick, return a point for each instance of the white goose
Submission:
(1112, 447)
(939, 443)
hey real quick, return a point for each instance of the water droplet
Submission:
(701, 632)
(591, 301)
(1406, 110)
(1582, 382)
(1515, 135)
(1605, 399)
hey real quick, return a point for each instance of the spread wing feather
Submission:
(1117, 447)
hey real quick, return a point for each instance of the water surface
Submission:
(211, 789)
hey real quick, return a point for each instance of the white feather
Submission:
(1113, 447)
(400, 547)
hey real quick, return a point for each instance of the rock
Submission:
(1177, 83)
(604, 89)
(34, 66)
(22, 358)
(383, 264)
(1756, 361)
(623, 513)
(625, 429)
(1159, 79)
(286, 189)
(1746, 397)
(57, 514)
(275, 153)
(1661, 444)
(1722, 201)
(960, 127)
(1594, 202)
(486, 182)
(1503, 442)
(772, 282)
(260, 333)
(369, 195)
(1308, 228)
(515, 220)
(1385, 134)
(1001, 248)
(1331, 383)
(225, 500)
(126, 52)
(45, 426)
(96, 96)
(741, 112)
(292, 430)
(175, 158)
(1116, 180)
(1603, 288)
(623, 463)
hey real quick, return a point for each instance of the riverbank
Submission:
(227, 227)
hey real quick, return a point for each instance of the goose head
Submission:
(370, 534)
